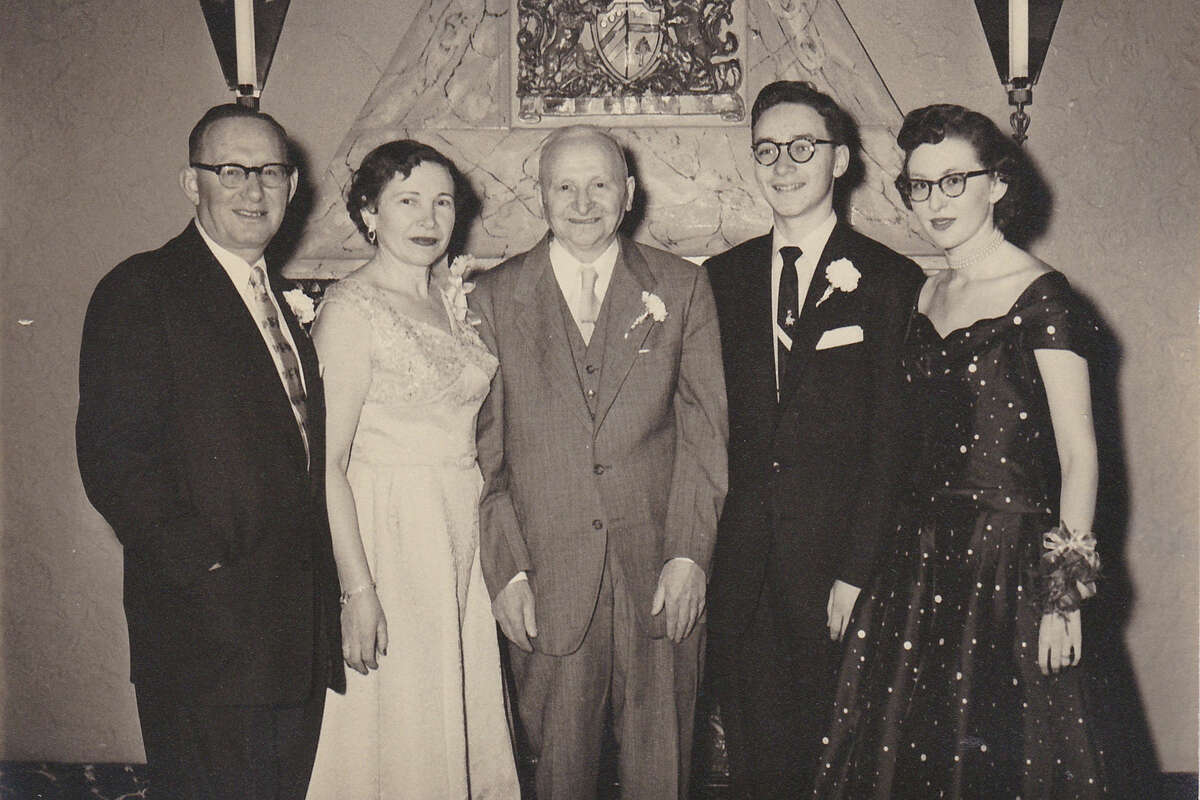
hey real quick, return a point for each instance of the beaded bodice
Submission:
(426, 383)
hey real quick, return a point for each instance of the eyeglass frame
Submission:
(780, 147)
(289, 170)
(904, 184)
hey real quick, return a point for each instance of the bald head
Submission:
(586, 189)
(585, 135)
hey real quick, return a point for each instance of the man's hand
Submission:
(1060, 642)
(513, 609)
(364, 631)
(841, 603)
(681, 587)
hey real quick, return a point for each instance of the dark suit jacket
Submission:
(644, 479)
(812, 477)
(188, 446)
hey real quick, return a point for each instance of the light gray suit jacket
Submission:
(644, 479)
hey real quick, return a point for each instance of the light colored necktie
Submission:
(287, 362)
(589, 305)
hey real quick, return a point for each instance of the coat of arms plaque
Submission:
(628, 62)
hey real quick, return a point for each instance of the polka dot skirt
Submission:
(939, 693)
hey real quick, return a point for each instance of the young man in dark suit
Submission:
(200, 440)
(812, 316)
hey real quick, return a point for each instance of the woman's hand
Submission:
(1060, 642)
(364, 631)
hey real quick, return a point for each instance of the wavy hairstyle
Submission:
(388, 161)
(996, 152)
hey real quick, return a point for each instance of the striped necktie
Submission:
(284, 356)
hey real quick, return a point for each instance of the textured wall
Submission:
(1116, 133)
(447, 85)
(97, 99)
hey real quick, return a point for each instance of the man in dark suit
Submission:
(602, 447)
(200, 440)
(812, 316)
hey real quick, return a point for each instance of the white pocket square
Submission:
(840, 337)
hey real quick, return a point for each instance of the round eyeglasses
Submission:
(800, 149)
(234, 176)
(952, 185)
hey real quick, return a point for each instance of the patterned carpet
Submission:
(31, 780)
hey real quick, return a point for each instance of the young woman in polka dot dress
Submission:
(960, 677)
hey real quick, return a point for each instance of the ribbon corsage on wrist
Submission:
(1069, 568)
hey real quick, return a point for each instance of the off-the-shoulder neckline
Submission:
(1018, 303)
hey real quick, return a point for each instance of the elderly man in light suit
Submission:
(603, 450)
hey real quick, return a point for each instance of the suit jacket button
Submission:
(591, 369)
(598, 524)
(776, 466)
(598, 469)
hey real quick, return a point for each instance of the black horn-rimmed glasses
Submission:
(234, 176)
(952, 185)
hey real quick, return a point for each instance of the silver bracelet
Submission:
(347, 595)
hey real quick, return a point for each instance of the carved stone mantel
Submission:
(449, 86)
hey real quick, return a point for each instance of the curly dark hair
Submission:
(385, 162)
(996, 152)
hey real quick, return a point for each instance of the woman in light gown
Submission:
(959, 676)
(424, 714)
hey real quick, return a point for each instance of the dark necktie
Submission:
(288, 364)
(788, 309)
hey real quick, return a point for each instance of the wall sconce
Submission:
(244, 33)
(1018, 33)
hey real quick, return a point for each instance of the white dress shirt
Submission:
(238, 270)
(567, 269)
(811, 245)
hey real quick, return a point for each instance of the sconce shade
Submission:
(268, 22)
(1043, 14)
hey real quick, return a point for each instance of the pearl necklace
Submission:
(960, 260)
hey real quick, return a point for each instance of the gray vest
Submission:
(589, 358)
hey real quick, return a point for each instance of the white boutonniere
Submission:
(302, 305)
(652, 308)
(460, 268)
(842, 275)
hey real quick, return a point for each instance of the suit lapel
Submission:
(541, 323)
(631, 276)
(757, 342)
(812, 316)
(244, 355)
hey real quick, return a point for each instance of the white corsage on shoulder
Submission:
(458, 288)
(302, 305)
(842, 276)
(652, 308)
